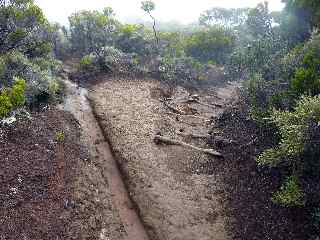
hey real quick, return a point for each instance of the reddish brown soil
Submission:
(51, 187)
(36, 173)
(248, 188)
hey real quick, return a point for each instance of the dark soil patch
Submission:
(36, 172)
(248, 187)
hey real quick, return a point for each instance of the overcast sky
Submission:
(184, 11)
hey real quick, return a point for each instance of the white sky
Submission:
(184, 11)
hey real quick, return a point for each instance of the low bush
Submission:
(108, 60)
(307, 78)
(40, 75)
(5, 103)
(11, 98)
(290, 193)
(295, 128)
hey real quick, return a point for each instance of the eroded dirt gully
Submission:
(122, 222)
(176, 193)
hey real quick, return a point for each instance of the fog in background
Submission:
(129, 10)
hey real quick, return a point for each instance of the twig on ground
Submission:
(158, 139)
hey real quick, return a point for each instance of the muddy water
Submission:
(77, 103)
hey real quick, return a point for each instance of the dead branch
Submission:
(166, 140)
(193, 135)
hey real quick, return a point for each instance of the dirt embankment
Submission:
(52, 186)
(45, 192)
(175, 194)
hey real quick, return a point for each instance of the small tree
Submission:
(148, 7)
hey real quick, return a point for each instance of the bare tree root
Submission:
(160, 139)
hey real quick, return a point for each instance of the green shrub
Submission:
(307, 78)
(60, 136)
(5, 103)
(17, 96)
(12, 98)
(109, 60)
(215, 43)
(39, 74)
(258, 95)
(290, 193)
(86, 63)
(293, 127)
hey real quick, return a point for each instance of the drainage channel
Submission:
(77, 103)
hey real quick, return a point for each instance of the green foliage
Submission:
(307, 78)
(134, 39)
(108, 60)
(214, 43)
(26, 50)
(290, 193)
(38, 73)
(18, 93)
(276, 78)
(91, 30)
(148, 6)
(293, 29)
(87, 62)
(293, 128)
(60, 136)
(25, 20)
(172, 44)
(5, 103)
(263, 96)
(294, 131)
(12, 98)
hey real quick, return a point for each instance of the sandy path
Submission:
(175, 200)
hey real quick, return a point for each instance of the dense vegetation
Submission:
(276, 54)
(26, 51)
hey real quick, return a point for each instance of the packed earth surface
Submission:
(176, 196)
